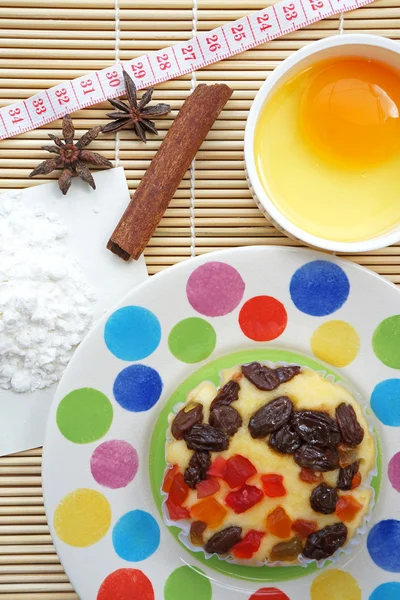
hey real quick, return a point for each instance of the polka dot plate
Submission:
(104, 452)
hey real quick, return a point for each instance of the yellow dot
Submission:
(335, 585)
(336, 342)
(82, 518)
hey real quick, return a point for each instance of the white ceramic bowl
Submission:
(370, 46)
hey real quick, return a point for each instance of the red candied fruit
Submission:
(304, 527)
(279, 524)
(217, 468)
(244, 499)
(249, 544)
(179, 490)
(238, 470)
(208, 487)
(273, 485)
(310, 476)
(176, 512)
(168, 479)
(347, 507)
(355, 482)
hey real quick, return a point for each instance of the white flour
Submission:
(46, 302)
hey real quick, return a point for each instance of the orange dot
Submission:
(126, 584)
(263, 318)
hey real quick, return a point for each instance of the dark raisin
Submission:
(197, 529)
(226, 418)
(223, 541)
(323, 499)
(323, 543)
(316, 427)
(287, 551)
(226, 395)
(197, 468)
(185, 419)
(345, 479)
(351, 431)
(285, 440)
(287, 373)
(317, 459)
(271, 417)
(261, 376)
(205, 437)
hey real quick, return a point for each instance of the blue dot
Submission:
(137, 388)
(386, 591)
(384, 545)
(136, 536)
(319, 288)
(385, 402)
(132, 333)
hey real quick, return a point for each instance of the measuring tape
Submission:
(149, 69)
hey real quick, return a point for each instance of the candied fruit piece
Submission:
(168, 478)
(197, 529)
(238, 470)
(208, 487)
(304, 527)
(287, 551)
(244, 499)
(279, 523)
(310, 476)
(347, 508)
(249, 545)
(347, 455)
(356, 481)
(179, 490)
(273, 485)
(210, 511)
(217, 468)
(176, 512)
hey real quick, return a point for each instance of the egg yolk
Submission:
(350, 111)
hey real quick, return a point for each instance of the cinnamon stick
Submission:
(167, 169)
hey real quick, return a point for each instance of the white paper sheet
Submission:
(90, 216)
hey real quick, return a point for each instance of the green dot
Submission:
(187, 582)
(192, 340)
(386, 342)
(84, 415)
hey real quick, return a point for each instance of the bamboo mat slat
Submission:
(43, 43)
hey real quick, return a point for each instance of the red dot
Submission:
(263, 318)
(269, 594)
(126, 584)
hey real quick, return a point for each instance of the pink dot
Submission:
(394, 471)
(215, 289)
(114, 464)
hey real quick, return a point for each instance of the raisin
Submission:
(261, 376)
(197, 529)
(323, 499)
(317, 459)
(197, 468)
(271, 417)
(316, 428)
(351, 431)
(185, 419)
(345, 478)
(287, 551)
(285, 440)
(226, 395)
(223, 541)
(226, 418)
(205, 437)
(287, 373)
(325, 542)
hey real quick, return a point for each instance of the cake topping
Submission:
(225, 418)
(185, 419)
(197, 468)
(351, 431)
(316, 427)
(287, 551)
(317, 459)
(223, 541)
(271, 417)
(226, 395)
(346, 475)
(325, 542)
(197, 529)
(249, 545)
(285, 440)
(323, 499)
(205, 437)
(267, 379)
(242, 500)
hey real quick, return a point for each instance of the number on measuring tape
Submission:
(264, 24)
(87, 86)
(290, 12)
(62, 96)
(15, 118)
(239, 35)
(88, 89)
(316, 9)
(213, 43)
(138, 71)
(39, 106)
(163, 62)
(113, 79)
(15, 114)
(188, 53)
(316, 4)
(63, 99)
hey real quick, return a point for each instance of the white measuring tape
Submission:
(148, 70)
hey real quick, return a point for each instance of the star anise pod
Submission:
(71, 156)
(137, 115)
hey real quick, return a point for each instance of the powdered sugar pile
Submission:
(46, 302)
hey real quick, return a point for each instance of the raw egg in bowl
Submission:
(322, 144)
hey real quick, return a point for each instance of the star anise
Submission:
(137, 115)
(71, 156)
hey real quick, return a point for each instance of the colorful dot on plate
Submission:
(84, 415)
(386, 342)
(114, 464)
(385, 402)
(386, 591)
(187, 582)
(269, 593)
(136, 536)
(192, 340)
(319, 288)
(394, 472)
(82, 518)
(335, 584)
(215, 289)
(263, 318)
(137, 388)
(384, 545)
(126, 584)
(132, 333)
(335, 342)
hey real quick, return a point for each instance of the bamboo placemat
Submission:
(46, 41)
